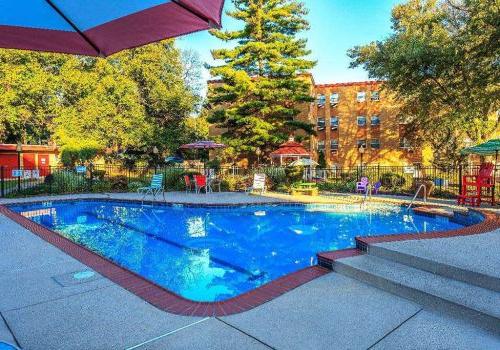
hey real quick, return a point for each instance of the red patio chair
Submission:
(200, 181)
(473, 186)
(188, 183)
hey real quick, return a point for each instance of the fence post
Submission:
(91, 176)
(460, 179)
(2, 181)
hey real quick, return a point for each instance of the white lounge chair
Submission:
(259, 184)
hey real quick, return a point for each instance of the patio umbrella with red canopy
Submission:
(101, 27)
(206, 145)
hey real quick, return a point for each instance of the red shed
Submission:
(31, 157)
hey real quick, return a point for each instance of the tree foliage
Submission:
(443, 62)
(128, 102)
(259, 87)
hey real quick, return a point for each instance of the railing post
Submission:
(91, 176)
(460, 179)
(2, 181)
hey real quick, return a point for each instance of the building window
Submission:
(361, 120)
(321, 124)
(334, 123)
(375, 96)
(375, 143)
(334, 98)
(361, 143)
(321, 99)
(404, 143)
(375, 120)
(334, 145)
(361, 96)
(321, 146)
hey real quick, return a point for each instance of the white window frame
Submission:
(371, 144)
(318, 127)
(332, 126)
(334, 101)
(332, 148)
(358, 144)
(321, 100)
(361, 96)
(375, 95)
(371, 120)
(321, 143)
(358, 119)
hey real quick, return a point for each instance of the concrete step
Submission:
(435, 265)
(479, 305)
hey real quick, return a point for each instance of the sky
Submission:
(336, 26)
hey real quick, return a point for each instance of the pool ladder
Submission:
(367, 196)
(422, 186)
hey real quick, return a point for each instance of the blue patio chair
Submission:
(154, 189)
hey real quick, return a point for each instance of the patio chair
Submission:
(200, 182)
(259, 184)
(376, 187)
(212, 180)
(188, 184)
(154, 189)
(362, 185)
(472, 192)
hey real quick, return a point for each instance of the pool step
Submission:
(479, 305)
(435, 266)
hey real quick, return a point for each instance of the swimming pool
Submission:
(216, 253)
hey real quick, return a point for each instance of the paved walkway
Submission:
(43, 307)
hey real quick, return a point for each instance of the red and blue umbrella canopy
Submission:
(101, 27)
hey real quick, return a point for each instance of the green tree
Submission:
(28, 86)
(130, 102)
(99, 106)
(443, 62)
(260, 88)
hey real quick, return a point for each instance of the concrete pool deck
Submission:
(41, 309)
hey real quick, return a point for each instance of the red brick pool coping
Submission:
(158, 296)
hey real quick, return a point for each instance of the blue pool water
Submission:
(214, 253)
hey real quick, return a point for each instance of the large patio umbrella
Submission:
(488, 148)
(101, 27)
(206, 145)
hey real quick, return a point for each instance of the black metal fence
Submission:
(109, 178)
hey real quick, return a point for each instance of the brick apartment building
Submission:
(355, 115)
(350, 116)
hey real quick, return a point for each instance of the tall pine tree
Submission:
(260, 90)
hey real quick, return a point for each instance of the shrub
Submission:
(118, 183)
(101, 186)
(99, 174)
(337, 186)
(73, 153)
(294, 174)
(392, 181)
(64, 180)
(234, 183)
(133, 186)
(172, 179)
(275, 177)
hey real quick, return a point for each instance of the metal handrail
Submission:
(416, 194)
(368, 194)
